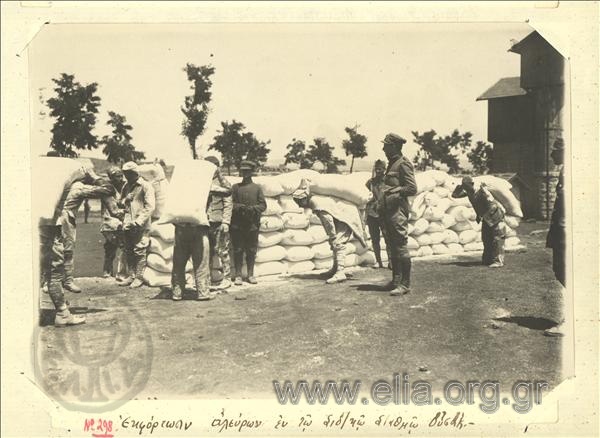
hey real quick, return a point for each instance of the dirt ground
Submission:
(461, 322)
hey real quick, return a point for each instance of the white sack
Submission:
(500, 189)
(441, 191)
(433, 214)
(435, 227)
(417, 205)
(325, 263)
(367, 259)
(467, 236)
(440, 248)
(437, 238)
(270, 223)
(424, 251)
(296, 237)
(269, 185)
(295, 220)
(288, 205)
(322, 250)
(461, 226)
(290, 181)
(455, 248)
(473, 246)
(450, 237)
(439, 176)
(165, 232)
(162, 248)
(300, 267)
(314, 220)
(348, 187)
(512, 241)
(448, 221)
(298, 253)
(356, 248)
(269, 238)
(512, 221)
(269, 268)
(423, 239)
(187, 194)
(273, 207)
(351, 260)
(412, 243)
(317, 233)
(270, 254)
(425, 183)
(444, 204)
(420, 226)
(157, 263)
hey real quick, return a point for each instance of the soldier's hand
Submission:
(224, 228)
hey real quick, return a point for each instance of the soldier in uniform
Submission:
(248, 205)
(394, 211)
(493, 228)
(375, 186)
(112, 225)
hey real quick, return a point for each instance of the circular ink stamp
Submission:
(97, 366)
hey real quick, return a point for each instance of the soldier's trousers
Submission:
(493, 238)
(52, 262)
(219, 247)
(191, 241)
(376, 230)
(396, 228)
(244, 242)
(339, 234)
(69, 234)
(113, 243)
(136, 242)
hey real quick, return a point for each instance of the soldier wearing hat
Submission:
(394, 210)
(91, 187)
(112, 224)
(137, 198)
(491, 212)
(376, 228)
(219, 217)
(248, 205)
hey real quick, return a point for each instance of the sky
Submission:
(282, 81)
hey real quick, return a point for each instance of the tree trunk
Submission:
(192, 142)
(352, 164)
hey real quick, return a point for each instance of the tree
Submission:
(355, 146)
(74, 107)
(118, 147)
(323, 152)
(296, 153)
(234, 145)
(445, 150)
(480, 157)
(195, 107)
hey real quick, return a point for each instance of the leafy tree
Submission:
(355, 146)
(480, 157)
(436, 149)
(234, 145)
(195, 107)
(74, 107)
(323, 152)
(118, 147)
(296, 153)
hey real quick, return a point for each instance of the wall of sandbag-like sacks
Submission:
(292, 240)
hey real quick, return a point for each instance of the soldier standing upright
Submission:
(394, 211)
(248, 205)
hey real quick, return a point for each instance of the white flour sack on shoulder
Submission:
(290, 181)
(345, 187)
(53, 176)
(271, 254)
(269, 238)
(298, 253)
(270, 223)
(187, 195)
(155, 174)
(500, 190)
(296, 238)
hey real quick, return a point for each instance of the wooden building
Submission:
(525, 117)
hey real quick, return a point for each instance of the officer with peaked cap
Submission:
(137, 198)
(248, 205)
(394, 210)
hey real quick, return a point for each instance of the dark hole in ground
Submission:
(530, 322)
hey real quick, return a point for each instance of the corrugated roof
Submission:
(505, 87)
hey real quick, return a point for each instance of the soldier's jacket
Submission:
(77, 193)
(220, 205)
(399, 183)
(112, 215)
(138, 201)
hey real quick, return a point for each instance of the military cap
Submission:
(393, 139)
(379, 164)
(113, 172)
(130, 166)
(247, 165)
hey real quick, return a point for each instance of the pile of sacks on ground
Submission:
(292, 240)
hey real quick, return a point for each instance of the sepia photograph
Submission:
(315, 213)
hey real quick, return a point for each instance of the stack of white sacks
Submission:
(292, 240)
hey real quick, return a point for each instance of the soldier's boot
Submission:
(140, 267)
(177, 292)
(65, 318)
(340, 275)
(250, 259)
(238, 258)
(69, 282)
(396, 275)
(378, 259)
(334, 268)
(403, 287)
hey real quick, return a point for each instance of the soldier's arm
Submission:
(459, 192)
(261, 204)
(111, 206)
(149, 205)
(95, 192)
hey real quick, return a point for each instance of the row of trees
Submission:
(75, 108)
